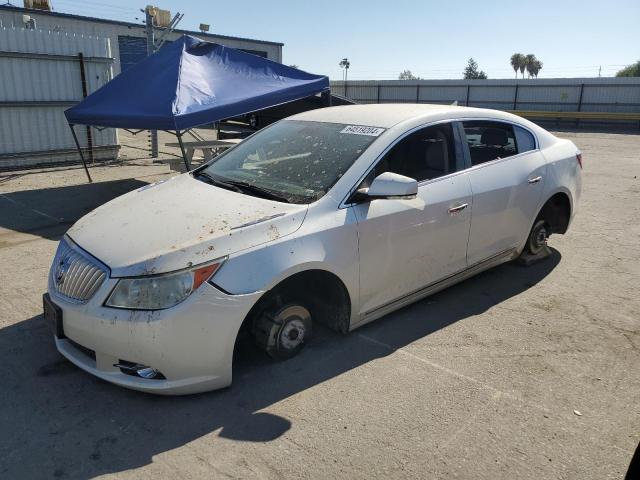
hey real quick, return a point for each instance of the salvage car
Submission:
(336, 216)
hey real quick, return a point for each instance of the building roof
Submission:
(127, 24)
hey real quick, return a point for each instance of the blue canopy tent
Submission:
(189, 83)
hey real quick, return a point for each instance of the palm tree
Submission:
(530, 64)
(517, 60)
(537, 66)
(345, 63)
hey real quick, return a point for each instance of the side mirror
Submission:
(389, 185)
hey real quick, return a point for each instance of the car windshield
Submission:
(290, 161)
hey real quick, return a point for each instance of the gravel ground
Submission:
(524, 373)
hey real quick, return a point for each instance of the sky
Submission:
(433, 39)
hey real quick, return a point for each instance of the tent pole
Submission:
(326, 96)
(84, 164)
(184, 155)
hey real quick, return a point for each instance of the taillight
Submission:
(579, 159)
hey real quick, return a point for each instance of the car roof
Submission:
(387, 115)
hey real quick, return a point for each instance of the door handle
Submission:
(535, 179)
(458, 209)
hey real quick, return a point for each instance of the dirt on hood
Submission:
(179, 223)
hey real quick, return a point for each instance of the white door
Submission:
(507, 178)
(405, 245)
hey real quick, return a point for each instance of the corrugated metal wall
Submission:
(568, 95)
(132, 50)
(39, 79)
(12, 18)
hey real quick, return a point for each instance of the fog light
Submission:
(138, 370)
(147, 372)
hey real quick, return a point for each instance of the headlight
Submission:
(159, 291)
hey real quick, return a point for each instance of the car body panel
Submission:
(312, 247)
(504, 202)
(190, 344)
(405, 244)
(563, 173)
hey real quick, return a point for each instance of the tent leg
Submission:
(84, 164)
(326, 98)
(184, 155)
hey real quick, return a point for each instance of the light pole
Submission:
(344, 63)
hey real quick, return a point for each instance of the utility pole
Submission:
(151, 48)
(600, 71)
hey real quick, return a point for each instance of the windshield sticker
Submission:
(360, 130)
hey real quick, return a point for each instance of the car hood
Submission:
(178, 223)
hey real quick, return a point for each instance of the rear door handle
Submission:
(535, 179)
(458, 209)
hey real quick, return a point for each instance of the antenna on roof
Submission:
(158, 18)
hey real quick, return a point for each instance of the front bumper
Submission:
(191, 344)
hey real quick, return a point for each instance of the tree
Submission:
(536, 67)
(632, 70)
(530, 64)
(407, 75)
(523, 65)
(517, 63)
(345, 63)
(471, 72)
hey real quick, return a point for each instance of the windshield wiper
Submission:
(210, 179)
(259, 191)
(242, 187)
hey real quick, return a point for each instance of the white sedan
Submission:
(337, 216)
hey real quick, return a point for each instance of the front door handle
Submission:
(458, 209)
(535, 179)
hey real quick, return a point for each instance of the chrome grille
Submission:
(75, 275)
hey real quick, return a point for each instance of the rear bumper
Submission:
(191, 344)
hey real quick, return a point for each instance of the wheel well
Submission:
(557, 212)
(321, 291)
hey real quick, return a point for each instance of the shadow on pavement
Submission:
(49, 212)
(58, 421)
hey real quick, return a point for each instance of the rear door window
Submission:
(489, 140)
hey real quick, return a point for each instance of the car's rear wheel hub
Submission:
(538, 237)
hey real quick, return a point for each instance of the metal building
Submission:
(128, 44)
(52, 62)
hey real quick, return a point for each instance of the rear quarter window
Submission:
(524, 140)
